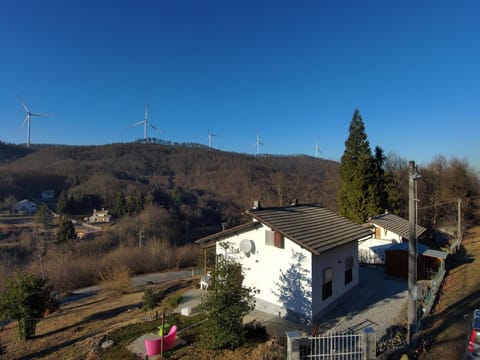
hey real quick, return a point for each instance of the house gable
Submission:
(393, 227)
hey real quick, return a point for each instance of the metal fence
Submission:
(348, 346)
(430, 296)
(334, 346)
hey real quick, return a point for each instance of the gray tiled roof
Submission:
(311, 226)
(211, 239)
(396, 224)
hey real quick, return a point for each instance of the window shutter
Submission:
(278, 240)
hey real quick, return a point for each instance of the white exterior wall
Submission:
(336, 259)
(372, 251)
(264, 266)
(388, 235)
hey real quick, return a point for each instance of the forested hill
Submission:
(199, 182)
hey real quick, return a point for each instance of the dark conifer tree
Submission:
(356, 198)
(65, 230)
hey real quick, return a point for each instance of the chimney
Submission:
(257, 205)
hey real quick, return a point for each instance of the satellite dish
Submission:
(246, 246)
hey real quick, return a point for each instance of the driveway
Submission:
(377, 302)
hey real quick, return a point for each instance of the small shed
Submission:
(428, 261)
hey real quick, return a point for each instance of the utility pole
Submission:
(413, 176)
(459, 225)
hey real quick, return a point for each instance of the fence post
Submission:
(293, 345)
(370, 344)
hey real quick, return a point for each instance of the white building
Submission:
(299, 259)
(100, 216)
(25, 207)
(389, 229)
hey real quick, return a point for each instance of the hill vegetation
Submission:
(165, 196)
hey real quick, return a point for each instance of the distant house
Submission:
(388, 229)
(100, 216)
(300, 259)
(48, 195)
(25, 207)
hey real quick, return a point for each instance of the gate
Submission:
(334, 346)
(348, 346)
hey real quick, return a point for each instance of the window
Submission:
(348, 270)
(327, 287)
(274, 238)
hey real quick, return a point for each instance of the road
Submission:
(138, 280)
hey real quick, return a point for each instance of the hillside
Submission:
(198, 184)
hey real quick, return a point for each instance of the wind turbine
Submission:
(210, 137)
(145, 122)
(258, 143)
(27, 118)
(317, 150)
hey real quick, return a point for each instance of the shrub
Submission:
(150, 299)
(174, 300)
(226, 303)
(25, 300)
(116, 279)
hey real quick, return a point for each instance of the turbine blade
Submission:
(23, 104)
(138, 123)
(24, 122)
(42, 115)
(153, 126)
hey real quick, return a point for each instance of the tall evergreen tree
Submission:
(65, 230)
(42, 218)
(380, 182)
(62, 203)
(356, 197)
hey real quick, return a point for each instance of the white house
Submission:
(389, 229)
(25, 207)
(299, 259)
(100, 216)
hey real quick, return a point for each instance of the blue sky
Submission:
(291, 71)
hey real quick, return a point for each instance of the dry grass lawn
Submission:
(71, 332)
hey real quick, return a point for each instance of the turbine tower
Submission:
(27, 118)
(145, 122)
(317, 150)
(258, 143)
(210, 137)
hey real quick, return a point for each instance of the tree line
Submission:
(372, 183)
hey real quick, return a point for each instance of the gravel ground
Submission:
(377, 302)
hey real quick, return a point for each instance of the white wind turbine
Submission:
(145, 122)
(317, 150)
(258, 143)
(27, 118)
(210, 138)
